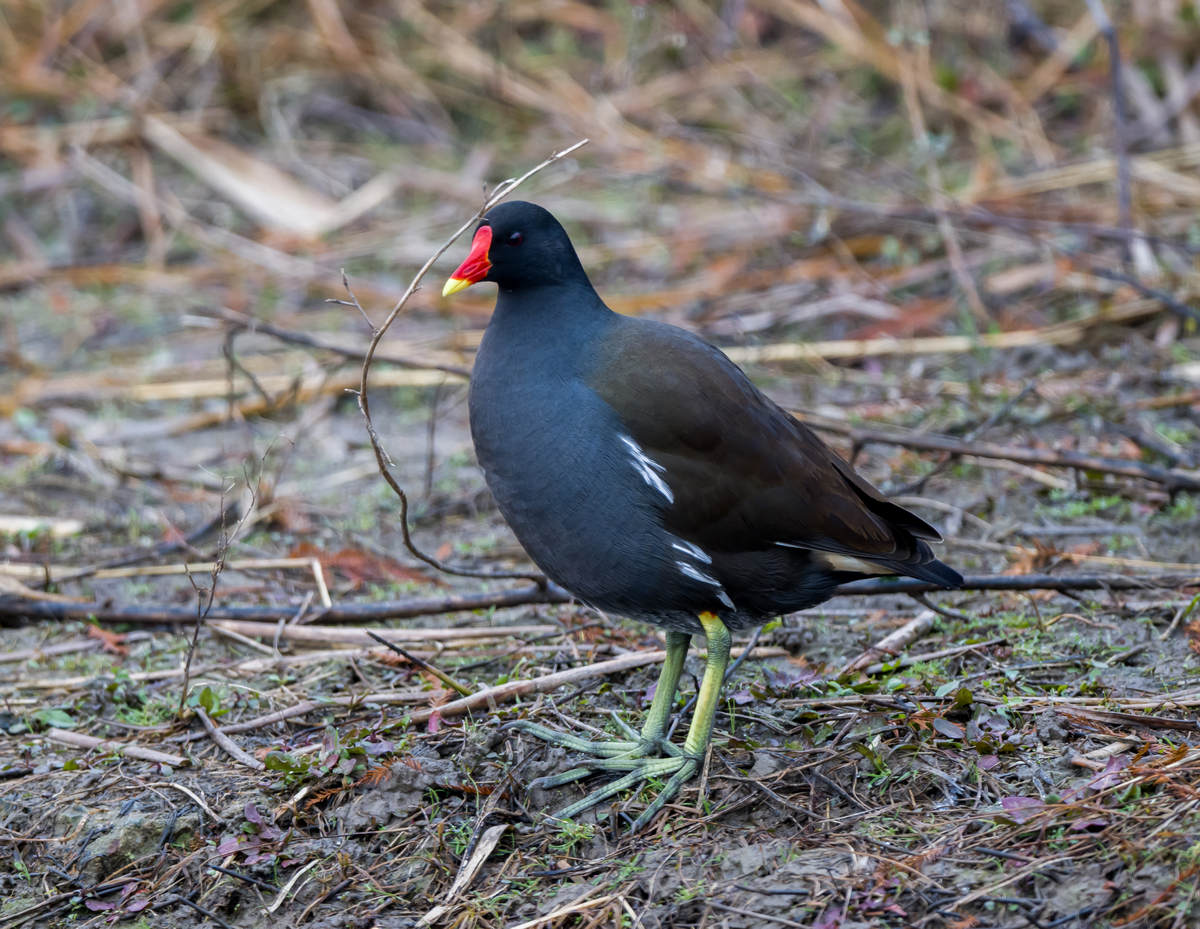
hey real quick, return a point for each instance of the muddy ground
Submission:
(971, 786)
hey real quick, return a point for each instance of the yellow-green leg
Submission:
(637, 755)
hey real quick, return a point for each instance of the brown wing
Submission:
(745, 474)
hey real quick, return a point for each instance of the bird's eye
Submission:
(516, 239)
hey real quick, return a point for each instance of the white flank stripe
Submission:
(650, 470)
(694, 550)
(696, 574)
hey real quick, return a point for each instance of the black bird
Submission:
(644, 472)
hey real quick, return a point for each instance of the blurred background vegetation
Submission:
(747, 156)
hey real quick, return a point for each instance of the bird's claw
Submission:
(640, 759)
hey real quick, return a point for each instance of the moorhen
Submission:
(644, 472)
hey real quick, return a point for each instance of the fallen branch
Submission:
(326, 635)
(24, 608)
(341, 613)
(907, 585)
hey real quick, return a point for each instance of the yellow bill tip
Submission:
(454, 285)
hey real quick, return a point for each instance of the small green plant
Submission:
(690, 892)
(457, 837)
(572, 834)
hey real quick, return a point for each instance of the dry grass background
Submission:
(928, 224)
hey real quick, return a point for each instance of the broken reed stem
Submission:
(381, 456)
(128, 749)
(894, 642)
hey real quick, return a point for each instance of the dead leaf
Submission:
(111, 642)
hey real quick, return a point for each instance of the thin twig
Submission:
(422, 664)
(128, 749)
(1178, 307)
(381, 456)
(1184, 612)
(1124, 183)
(294, 337)
(894, 642)
(206, 596)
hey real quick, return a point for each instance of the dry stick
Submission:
(1184, 612)
(325, 635)
(1124, 190)
(231, 748)
(90, 742)
(532, 594)
(894, 642)
(341, 613)
(308, 706)
(484, 698)
(502, 693)
(381, 456)
(1173, 479)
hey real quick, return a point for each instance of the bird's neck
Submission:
(555, 317)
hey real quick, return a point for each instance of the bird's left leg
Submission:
(679, 766)
(651, 740)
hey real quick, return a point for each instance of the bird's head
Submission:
(517, 245)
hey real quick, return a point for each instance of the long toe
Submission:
(639, 760)
(679, 770)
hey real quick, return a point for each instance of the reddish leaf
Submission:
(112, 642)
(830, 919)
(1022, 809)
(1112, 773)
(362, 567)
(229, 846)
